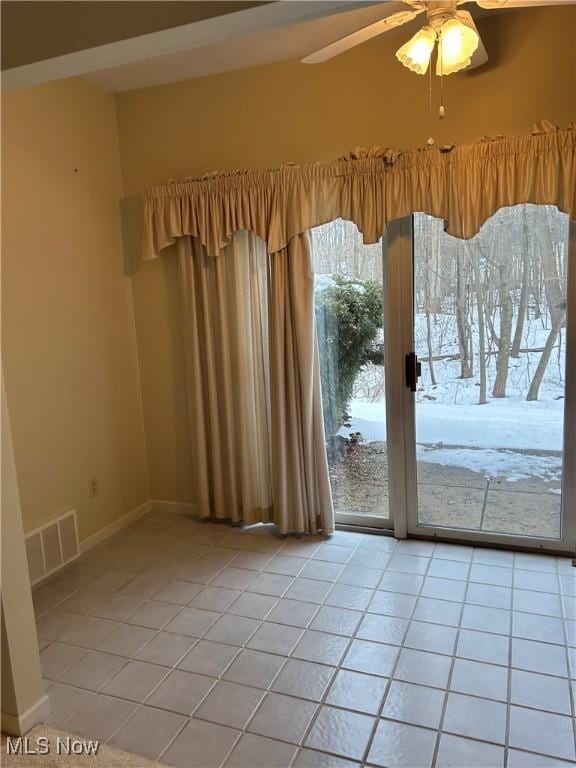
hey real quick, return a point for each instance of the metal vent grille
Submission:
(35, 557)
(52, 546)
(68, 537)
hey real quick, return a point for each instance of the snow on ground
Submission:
(520, 370)
(486, 438)
(495, 463)
(322, 282)
(497, 425)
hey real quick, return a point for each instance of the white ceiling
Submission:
(272, 32)
(171, 54)
(245, 50)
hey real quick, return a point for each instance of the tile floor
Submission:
(204, 645)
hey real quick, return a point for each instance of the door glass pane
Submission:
(490, 326)
(349, 323)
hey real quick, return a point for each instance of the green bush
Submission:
(348, 318)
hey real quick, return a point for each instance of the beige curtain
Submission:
(464, 185)
(225, 317)
(300, 481)
(253, 384)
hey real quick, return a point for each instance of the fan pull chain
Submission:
(430, 141)
(441, 109)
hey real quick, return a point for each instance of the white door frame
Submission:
(397, 252)
(400, 404)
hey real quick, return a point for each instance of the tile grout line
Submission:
(266, 691)
(93, 649)
(87, 649)
(400, 722)
(451, 671)
(509, 685)
(338, 666)
(147, 598)
(303, 698)
(300, 746)
(68, 719)
(365, 612)
(571, 685)
(395, 666)
(189, 717)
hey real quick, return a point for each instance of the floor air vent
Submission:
(52, 546)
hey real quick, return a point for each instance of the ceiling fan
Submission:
(453, 30)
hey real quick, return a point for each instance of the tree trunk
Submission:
(506, 311)
(461, 314)
(524, 293)
(482, 398)
(544, 359)
(427, 309)
(552, 287)
(429, 340)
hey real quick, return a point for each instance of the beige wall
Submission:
(263, 116)
(67, 322)
(22, 688)
(289, 111)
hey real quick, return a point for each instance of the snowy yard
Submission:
(489, 331)
(509, 437)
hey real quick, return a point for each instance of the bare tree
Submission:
(524, 290)
(548, 255)
(506, 313)
(462, 284)
(480, 309)
(545, 358)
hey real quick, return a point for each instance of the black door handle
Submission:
(413, 370)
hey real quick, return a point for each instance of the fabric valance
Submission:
(464, 185)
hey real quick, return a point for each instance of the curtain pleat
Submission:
(300, 480)
(253, 385)
(224, 316)
(464, 185)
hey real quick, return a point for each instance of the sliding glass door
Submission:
(449, 377)
(350, 307)
(490, 455)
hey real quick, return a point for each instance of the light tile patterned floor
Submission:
(205, 645)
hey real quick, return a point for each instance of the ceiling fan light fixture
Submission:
(456, 44)
(416, 53)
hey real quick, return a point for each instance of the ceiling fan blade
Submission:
(479, 56)
(491, 4)
(361, 36)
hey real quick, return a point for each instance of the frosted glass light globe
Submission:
(456, 44)
(415, 54)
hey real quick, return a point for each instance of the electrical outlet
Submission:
(93, 487)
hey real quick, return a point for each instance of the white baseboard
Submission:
(175, 507)
(115, 527)
(18, 725)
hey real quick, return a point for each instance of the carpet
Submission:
(106, 757)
